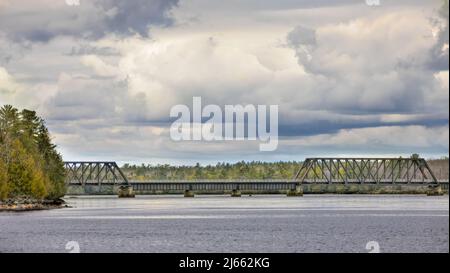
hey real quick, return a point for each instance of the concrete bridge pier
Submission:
(236, 193)
(126, 191)
(435, 190)
(298, 191)
(189, 193)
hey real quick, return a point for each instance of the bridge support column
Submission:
(236, 193)
(126, 192)
(435, 190)
(189, 193)
(298, 191)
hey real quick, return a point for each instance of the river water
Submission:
(264, 223)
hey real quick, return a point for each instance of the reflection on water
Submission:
(268, 223)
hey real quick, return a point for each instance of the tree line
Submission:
(30, 166)
(239, 170)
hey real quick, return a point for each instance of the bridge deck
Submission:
(212, 185)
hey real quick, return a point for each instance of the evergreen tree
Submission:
(29, 162)
(53, 167)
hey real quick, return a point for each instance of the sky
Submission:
(350, 79)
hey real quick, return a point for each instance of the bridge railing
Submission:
(211, 180)
(306, 181)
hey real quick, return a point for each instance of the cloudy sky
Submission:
(350, 79)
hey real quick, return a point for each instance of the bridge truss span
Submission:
(365, 170)
(94, 172)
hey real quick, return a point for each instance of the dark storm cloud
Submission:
(137, 15)
(43, 21)
(301, 35)
(329, 127)
(439, 54)
(10, 50)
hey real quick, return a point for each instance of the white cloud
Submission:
(99, 66)
(340, 74)
(387, 136)
(8, 87)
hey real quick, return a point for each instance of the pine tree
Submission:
(9, 130)
(29, 162)
(53, 164)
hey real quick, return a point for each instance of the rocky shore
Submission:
(29, 204)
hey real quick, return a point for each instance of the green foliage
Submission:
(240, 170)
(4, 189)
(249, 170)
(29, 162)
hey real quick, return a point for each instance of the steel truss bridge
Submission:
(345, 171)
(94, 172)
(365, 170)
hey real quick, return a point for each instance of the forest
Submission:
(239, 170)
(30, 166)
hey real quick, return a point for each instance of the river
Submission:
(263, 223)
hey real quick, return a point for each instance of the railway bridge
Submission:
(315, 175)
